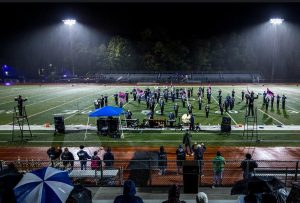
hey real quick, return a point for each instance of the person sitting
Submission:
(129, 192)
(201, 197)
(171, 118)
(174, 195)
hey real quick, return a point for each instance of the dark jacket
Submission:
(83, 155)
(108, 159)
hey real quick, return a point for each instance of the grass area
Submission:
(76, 101)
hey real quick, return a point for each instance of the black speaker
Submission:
(101, 123)
(226, 121)
(190, 170)
(113, 125)
(226, 124)
(59, 124)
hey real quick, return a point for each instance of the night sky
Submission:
(180, 20)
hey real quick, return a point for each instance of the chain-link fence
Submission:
(155, 173)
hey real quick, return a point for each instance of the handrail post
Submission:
(150, 172)
(296, 172)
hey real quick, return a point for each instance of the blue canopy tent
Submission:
(107, 111)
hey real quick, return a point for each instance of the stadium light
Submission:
(276, 21)
(69, 22)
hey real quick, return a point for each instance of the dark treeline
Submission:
(156, 50)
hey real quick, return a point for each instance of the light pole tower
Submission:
(70, 23)
(275, 22)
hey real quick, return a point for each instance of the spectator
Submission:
(268, 198)
(108, 158)
(129, 192)
(68, 159)
(218, 168)
(248, 165)
(54, 155)
(83, 157)
(162, 161)
(180, 156)
(187, 142)
(174, 195)
(201, 197)
(250, 198)
(9, 178)
(198, 156)
(101, 153)
(95, 161)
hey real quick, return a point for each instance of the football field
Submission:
(276, 127)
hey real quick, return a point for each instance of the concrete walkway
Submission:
(159, 194)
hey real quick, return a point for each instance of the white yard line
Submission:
(264, 113)
(226, 112)
(270, 116)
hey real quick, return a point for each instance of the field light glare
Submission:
(276, 21)
(69, 22)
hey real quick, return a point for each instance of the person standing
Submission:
(251, 104)
(278, 100)
(200, 102)
(176, 107)
(20, 101)
(180, 157)
(116, 99)
(192, 122)
(162, 161)
(272, 101)
(95, 161)
(218, 169)
(233, 93)
(68, 159)
(243, 95)
(248, 165)
(207, 110)
(108, 158)
(198, 156)
(283, 101)
(83, 157)
(267, 101)
(162, 106)
(106, 100)
(187, 142)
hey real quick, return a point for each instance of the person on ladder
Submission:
(20, 101)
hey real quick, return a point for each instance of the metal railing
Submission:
(152, 173)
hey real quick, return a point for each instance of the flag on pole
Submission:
(269, 92)
(122, 96)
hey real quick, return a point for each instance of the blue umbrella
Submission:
(107, 111)
(44, 185)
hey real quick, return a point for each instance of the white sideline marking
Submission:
(226, 112)
(198, 133)
(161, 141)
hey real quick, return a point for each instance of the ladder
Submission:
(20, 119)
(250, 125)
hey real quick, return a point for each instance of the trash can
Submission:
(190, 171)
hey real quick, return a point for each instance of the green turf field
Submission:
(76, 101)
